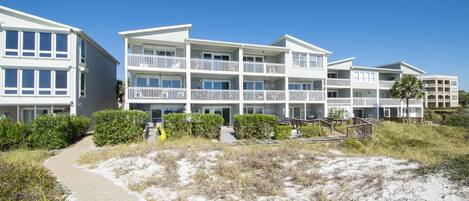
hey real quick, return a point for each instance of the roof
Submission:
(234, 44)
(165, 28)
(440, 77)
(402, 63)
(286, 36)
(341, 61)
(72, 29)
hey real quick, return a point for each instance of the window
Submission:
(171, 83)
(299, 86)
(82, 51)
(254, 110)
(60, 82)
(27, 79)
(11, 43)
(147, 82)
(153, 82)
(332, 75)
(11, 81)
(61, 45)
(257, 59)
(29, 43)
(315, 61)
(254, 85)
(45, 45)
(45, 82)
(216, 84)
(82, 84)
(141, 82)
(364, 76)
(299, 59)
(332, 94)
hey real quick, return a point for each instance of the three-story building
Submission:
(441, 91)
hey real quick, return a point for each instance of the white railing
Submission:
(156, 93)
(338, 82)
(389, 101)
(386, 84)
(429, 85)
(303, 95)
(201, 94)
(267, 68)
(415, 102)
(431, 100)
(214, 65)
(263, 95)
(431, 93)
(339, 101)
(153, 61)
(365, 101)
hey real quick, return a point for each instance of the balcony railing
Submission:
(339, 101)
(263, 95)
(303, 95)
(389, 101)
(338, 82)
(267, 68)
(386, 84)
(431, 93)
(145, 93)
(201, 94)
(431, 100)
(365, 102)
(153, 61)
(429, 85)
(415, 102)
(214, 65)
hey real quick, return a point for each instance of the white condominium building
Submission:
(441, 91)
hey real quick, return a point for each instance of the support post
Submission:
(188, 78)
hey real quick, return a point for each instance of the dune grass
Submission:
(25, 155)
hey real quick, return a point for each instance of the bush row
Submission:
(258, 126)
(118, 126)
(312, 131)
(177, 125)
(459, 120)
(46, 132)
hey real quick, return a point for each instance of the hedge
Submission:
(177, 125)
(282, 132)
(56, 131)
(458, 120)
(312, 131)
(118, 126)
(12, 135)
(259, 126)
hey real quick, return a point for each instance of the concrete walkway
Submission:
(85, 185)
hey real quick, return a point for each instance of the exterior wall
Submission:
(440, 91)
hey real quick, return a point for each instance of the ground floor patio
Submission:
(27, 113)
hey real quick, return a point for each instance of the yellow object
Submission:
(162, 133)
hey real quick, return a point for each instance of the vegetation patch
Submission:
(282, 132)
(309, 131)
(12, 135)
(258, 126)
(178, 125)
(118, 126)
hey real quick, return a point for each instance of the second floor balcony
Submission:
(264, 68)
(386, 84)
(306, 95)
(365, 102)
(389, 102)
(215, 95)
(214, 65)
(264, 95)
(154, 61)
(339, 101)
(337, 82)
(148, 93)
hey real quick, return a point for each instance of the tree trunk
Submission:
(407, 110)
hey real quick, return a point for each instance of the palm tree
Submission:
(120, 93)
(406, 88)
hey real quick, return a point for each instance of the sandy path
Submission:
(85, 185)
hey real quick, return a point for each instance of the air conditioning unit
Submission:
(138, 94)
(165, 94)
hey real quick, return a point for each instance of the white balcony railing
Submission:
(303, 95)
(431, 93)
(263, 95)
(389, 101)
(365, 101)
(415, 102)
(339, 101)
(141, 93)
(153, 61)
(267, 68)
(338, 82)
(386, 84)
(214, 65)
(201, 94)
(429, 85)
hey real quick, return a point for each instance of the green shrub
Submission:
(79, 125)
(12, 135)
(259, 126)
(177, 125)
(118, 126)
(312, 131)
(282, 132)
(354, 145)
(24, 181)
(206, 125)
(51, 132)
(458, 120)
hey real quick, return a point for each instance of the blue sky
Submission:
(432, 35)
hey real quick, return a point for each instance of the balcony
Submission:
(386, 84)
(389, 102)
(302, 95)
(431, 100)
(153, 61)
(338, 82)
(263, 95)
(415, 102)
(339, 101)
(146, 93)
(214, 95)
(429, 85)
(365, 102)
(214, 65)
(431, 93)
(264, 68)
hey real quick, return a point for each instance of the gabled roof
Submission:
(341, 61)
(402, 63)
(72, 29)
(165, 28)
(286, 36)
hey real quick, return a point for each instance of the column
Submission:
(126, 78)
(241, 80)
(188, 78)
(377, 94)
(17, 113)
(287, 98)
(324, 89)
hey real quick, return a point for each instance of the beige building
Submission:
(441, 91)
